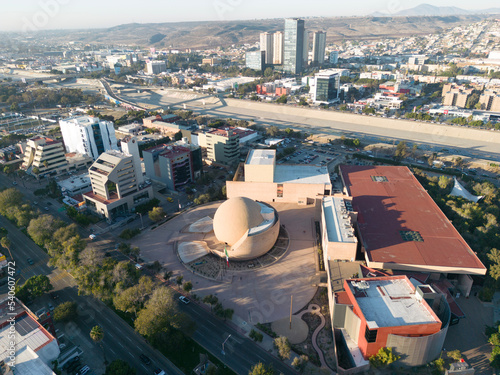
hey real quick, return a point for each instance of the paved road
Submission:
(240, 352)
(487, 150)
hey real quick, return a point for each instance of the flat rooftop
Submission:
(301, 174)
(390, 302)
(401, 227)
(338, 224)
(261, 157)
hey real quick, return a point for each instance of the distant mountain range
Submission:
(212, 34)
(434, 11)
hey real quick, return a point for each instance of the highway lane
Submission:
(241, 352)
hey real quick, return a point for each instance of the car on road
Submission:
(51, 307)
(170, 200)
(30, 261)
(92, 236)
(54, 295)
(159, 372)
(144, 358)
(46, 208)
(14, 183)
(184, 300)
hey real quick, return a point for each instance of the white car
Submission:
(184, 300)
(92, 236)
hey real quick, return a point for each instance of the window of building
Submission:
(279, 192)
(370, 334)
(379, 178)
(411, 235)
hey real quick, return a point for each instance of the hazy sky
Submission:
(63, 14)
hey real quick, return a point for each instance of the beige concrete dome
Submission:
(235, 217)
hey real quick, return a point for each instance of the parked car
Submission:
(30, 261)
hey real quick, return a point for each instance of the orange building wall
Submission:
(369, 349)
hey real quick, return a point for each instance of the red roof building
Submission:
(401, 227)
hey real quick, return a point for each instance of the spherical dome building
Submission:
(248, 228)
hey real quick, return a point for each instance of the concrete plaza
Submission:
(257, 296)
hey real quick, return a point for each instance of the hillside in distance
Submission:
(435, 11)
(211, 34)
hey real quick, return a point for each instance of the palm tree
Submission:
(97, 334)
(5, 242)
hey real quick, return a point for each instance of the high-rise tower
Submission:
(293, 46)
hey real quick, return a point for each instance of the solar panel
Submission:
(25, 325)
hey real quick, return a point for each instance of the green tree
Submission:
(97, 335)
(444, 182)
(384, 357)
(283, 345)
(178, 280)
(401, 150)
(35, 286)
(132, 299)
(261, 369)
(455, 355)
(188, 286)
(156, 214)
(178, 136)
(256, 335)
(6, 244)
(119, 367)
(211, 300)
(65, 312)
(282, 99)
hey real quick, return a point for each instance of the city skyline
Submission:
(34, 15)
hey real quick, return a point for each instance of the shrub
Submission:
(384, 357)
(256, 336)
(127, 234)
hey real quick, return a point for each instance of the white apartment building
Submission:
(278, 48)
(266, 45)
(156, 67)
(88, 135)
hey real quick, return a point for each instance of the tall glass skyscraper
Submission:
(294, 46)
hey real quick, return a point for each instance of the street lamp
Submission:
(142, 223)
(223, 352)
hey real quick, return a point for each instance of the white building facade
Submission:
(88, 135)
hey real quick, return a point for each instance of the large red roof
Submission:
(398, 203)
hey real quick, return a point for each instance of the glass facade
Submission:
(293, 46)
(327, 88)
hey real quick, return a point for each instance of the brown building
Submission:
(454, 95)
(490, 100)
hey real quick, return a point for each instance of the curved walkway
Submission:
(315, 309)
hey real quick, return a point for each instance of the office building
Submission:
(255, 60)
(334, 57)
(44, 157)
(116, 190)
(266, 46)
(130, 146)
(223, 146)
(417, 60)
(173, 165)
(88, 135)
(325, 87)
(319, 46)
(293, 46)
(305, 55)
(278, 48)
(156, 67)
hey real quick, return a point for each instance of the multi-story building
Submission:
(156, 67)
(278, 48)
(319, 46)
(266, 46)
(115, 185)
(454, 95)
(223, 146)
(417, 60)
(293, 46)
(173, 165)
(255, 60)
(130, 147)
(334, 57)
(88, 135)
(490, 100)
(305, 50)
(44, 157)
(325, 87)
